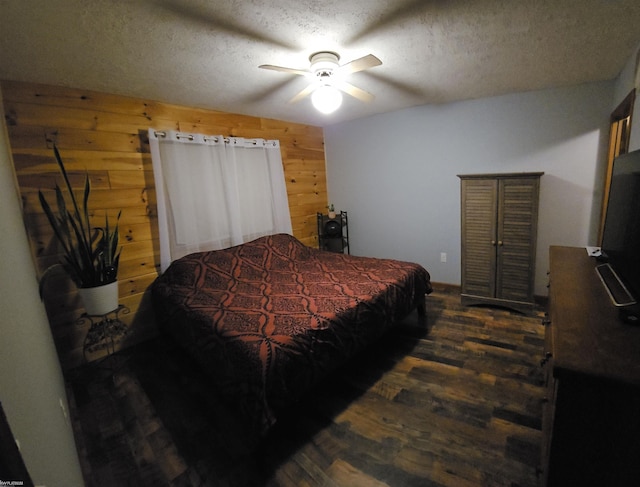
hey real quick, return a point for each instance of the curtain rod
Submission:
(190, 137)
(226, 140)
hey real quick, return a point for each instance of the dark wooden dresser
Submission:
(591, 415)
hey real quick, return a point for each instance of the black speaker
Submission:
(333, 233)
(332, 229)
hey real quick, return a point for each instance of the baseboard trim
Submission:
(444, 287)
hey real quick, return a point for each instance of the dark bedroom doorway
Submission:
(619, 133)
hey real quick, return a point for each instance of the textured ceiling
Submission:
(206, 53)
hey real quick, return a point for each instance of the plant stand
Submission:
(105, 331)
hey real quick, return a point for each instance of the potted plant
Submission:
(332, 211)
(90, 254)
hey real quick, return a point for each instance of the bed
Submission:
(269, 318)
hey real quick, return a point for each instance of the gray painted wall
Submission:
(396, 173)
(31, 386)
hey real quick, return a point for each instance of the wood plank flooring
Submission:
(455, 403)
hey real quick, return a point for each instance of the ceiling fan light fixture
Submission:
(324, 62)
(326, 99)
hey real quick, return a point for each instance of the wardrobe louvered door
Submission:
(479, 223)
(499, 222)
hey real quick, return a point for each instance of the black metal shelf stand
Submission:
(333, 232)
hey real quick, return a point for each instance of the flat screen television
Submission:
(621, 233)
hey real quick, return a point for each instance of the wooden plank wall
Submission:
(104, 136)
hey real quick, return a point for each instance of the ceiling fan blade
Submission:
(354, 91)
(365, 62)
(306, 92)
(301, 72)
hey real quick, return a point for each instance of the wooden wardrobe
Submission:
(499, 214)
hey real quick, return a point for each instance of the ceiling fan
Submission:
(328, 77)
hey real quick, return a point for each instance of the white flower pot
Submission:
(100, 300)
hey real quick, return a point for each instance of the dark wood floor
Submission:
(457, 405)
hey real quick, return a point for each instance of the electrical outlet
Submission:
(443, 256)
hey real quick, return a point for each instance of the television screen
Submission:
(621, 234)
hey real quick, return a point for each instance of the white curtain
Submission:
(215, 192)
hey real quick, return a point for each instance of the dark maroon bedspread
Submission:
(269, 318)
